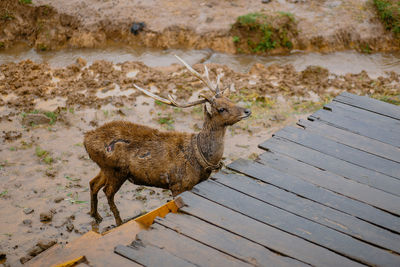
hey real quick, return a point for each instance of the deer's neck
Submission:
(211, 142)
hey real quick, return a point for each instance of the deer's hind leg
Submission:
(95, 185)
(113, 183)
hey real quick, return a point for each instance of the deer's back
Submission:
(119, 143)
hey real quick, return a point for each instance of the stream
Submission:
(340, 63)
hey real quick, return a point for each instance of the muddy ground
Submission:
(44, 110)
(319, 25)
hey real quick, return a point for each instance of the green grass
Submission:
(25, 2)
(263, 32)
(52, 116)
(395, 100)
(40, 152)
(166, 121)
(389, 13)
(5, 192)
(7, 16)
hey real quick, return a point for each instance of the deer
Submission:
(166, 159)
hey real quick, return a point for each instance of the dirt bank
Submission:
(44, 112)
(319, 25)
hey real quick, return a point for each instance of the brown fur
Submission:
(147, 156)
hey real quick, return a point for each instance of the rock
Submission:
(70, 227)
(137, 27)
(37, 119)
(51, 172)
(46, 216)
(34, 251)
(46, 243)
(27, 222)
(25, 259)
(81, 62)
(58, 199)
(28, 210)
(265, 1)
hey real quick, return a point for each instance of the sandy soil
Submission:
(322, 25)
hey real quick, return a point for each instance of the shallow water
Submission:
(338, 62)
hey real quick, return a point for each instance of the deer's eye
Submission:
(220, 110)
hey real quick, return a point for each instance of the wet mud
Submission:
(319, 25)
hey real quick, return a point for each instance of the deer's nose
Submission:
(247, 112)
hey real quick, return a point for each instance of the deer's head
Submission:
(218, 108)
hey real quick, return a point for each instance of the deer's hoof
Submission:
(96, 216)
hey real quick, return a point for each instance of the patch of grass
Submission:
(389, 13)
(395, 100)
(259, 32)
(166, 121)
(73, 199)
(52, 116)
(7, 15)
(42, 47)
(40, 152)
(2, 45)
(5, 192)
(48, 159)
(13, 148)
(44, 155)
(25, 2)
(72, 179)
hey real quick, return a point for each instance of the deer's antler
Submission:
(170, 101)
(206, 80)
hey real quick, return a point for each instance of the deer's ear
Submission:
(208, 109)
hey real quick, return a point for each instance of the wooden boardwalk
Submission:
(326, 194)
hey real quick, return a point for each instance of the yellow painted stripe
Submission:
(171, 206)
(72, 262)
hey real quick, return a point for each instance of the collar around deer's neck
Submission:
(200, 156)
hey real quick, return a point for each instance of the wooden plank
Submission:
(296, 225)
(151, 256)
(186, 248)
(261, 233)
(373, 119)
(225, 241)
(353, 140)
(315, 193)
(331, 164)
(311, 210)
(357, 127)
(370, 104)
(340, 151)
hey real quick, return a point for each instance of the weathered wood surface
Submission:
(151, 256)
(356, 126)
(324, 195)
(370, 118)
(311, 210)
(261, 233)
(186, 248)
(296, 225)
(369, 104)
(331, 164)
(353, 140)
(224, 241)
(343, 187)
(340, 151)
